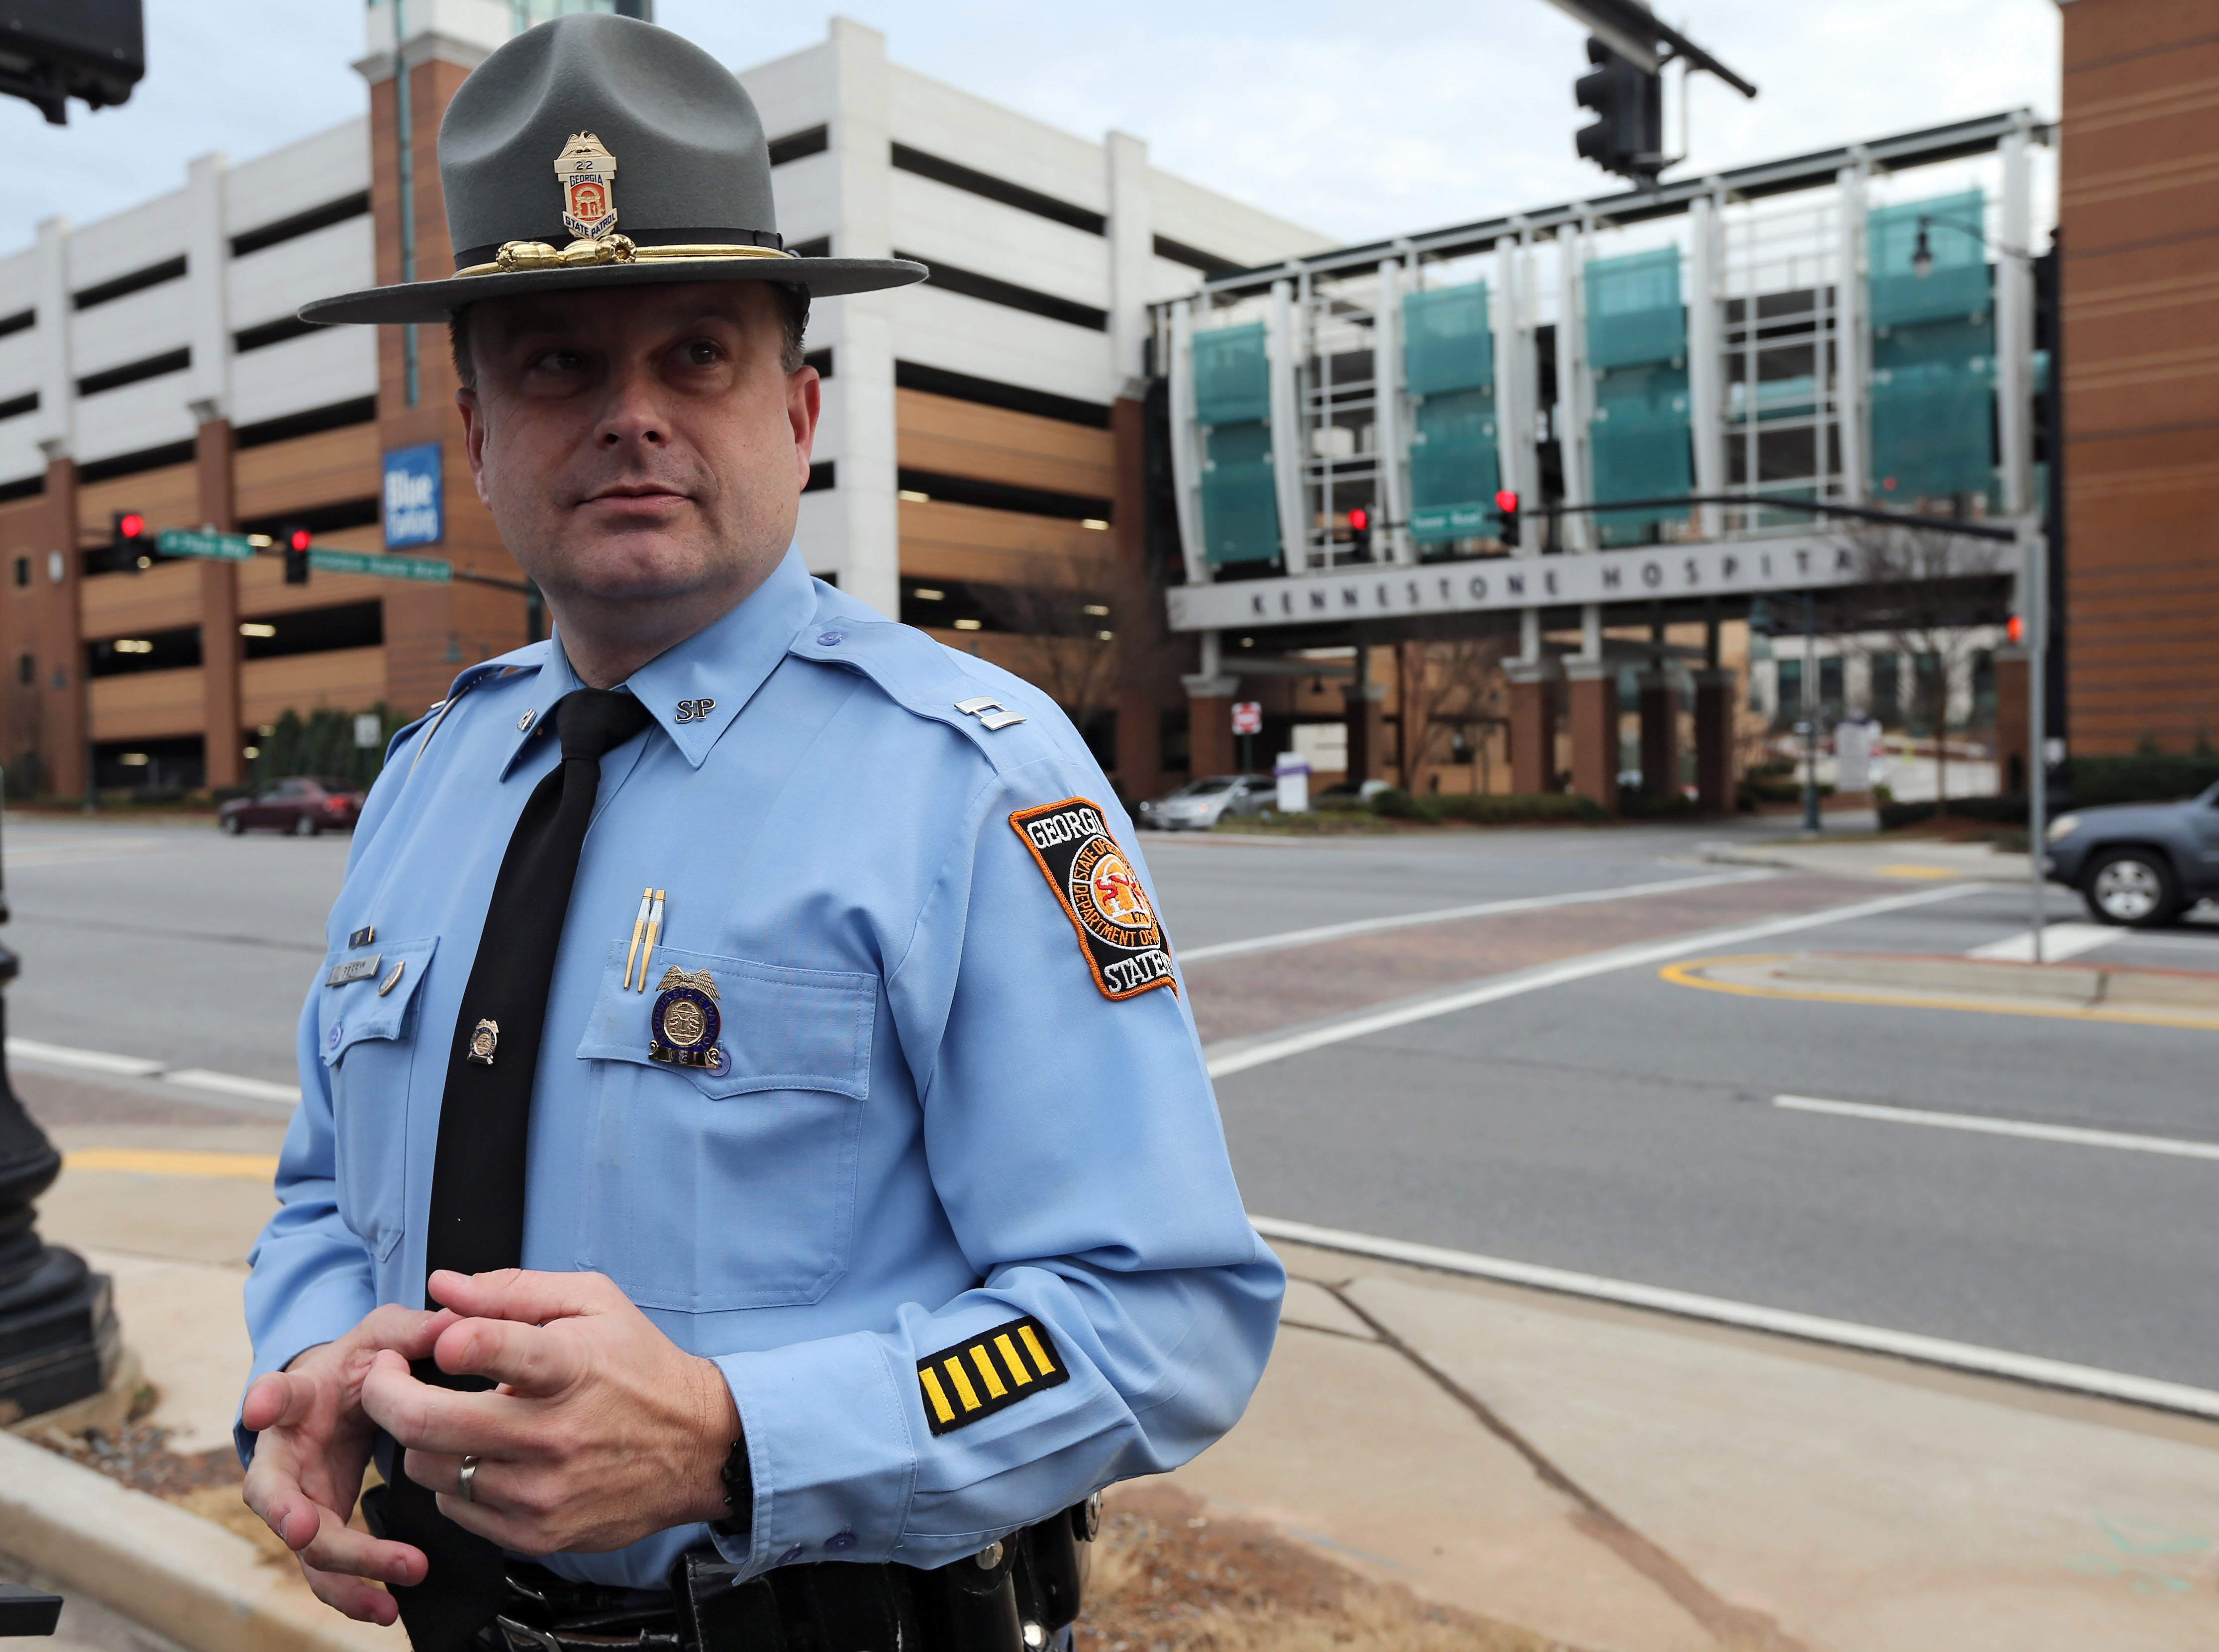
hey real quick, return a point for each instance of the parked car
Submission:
(300, 806)
(2141, 864)
(1200, 804)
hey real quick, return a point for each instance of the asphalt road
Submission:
(1612, 1122)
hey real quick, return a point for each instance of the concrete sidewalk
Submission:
(1621, 1481)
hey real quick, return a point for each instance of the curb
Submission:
(208, 1589)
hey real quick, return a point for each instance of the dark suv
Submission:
(2141, 864)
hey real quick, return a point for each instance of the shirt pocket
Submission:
(366, 1033)
(730, 1186)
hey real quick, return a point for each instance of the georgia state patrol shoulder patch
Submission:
(1101, 894)
(990, 1372)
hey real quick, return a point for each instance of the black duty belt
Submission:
(1018, 1595)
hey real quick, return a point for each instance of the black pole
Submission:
(59, 1341)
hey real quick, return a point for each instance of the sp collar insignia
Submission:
(682, 1028)
(1101, 894)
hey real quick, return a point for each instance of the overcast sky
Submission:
(1358, 121)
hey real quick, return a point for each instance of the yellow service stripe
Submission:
(937, 1395)
(148, 1161)
(996, 1388)
(1045, 1366)
(963, 1391)
(1010, 1358)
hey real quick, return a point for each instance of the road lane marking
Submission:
(1687, 972)
(1806, 1327)
(1233, 1058)
(61, 1055)
(1452, 914)
(232, 1084)
(2072, 1135)
(148, 1161)
(1905, 870)
(2059, 943)
(139, 1066)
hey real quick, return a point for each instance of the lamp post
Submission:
(59, 1341)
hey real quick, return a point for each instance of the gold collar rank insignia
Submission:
(588, 175)
(1101, 893)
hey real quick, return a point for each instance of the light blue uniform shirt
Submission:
(933, 1120)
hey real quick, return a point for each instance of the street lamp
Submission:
(59, 1341)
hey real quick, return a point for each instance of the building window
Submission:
(22, 570)
(26, 670)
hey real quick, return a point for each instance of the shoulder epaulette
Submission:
(531, 656)
(996, 711)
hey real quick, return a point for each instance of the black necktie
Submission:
(477, 1177)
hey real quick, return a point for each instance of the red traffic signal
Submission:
(2016, 628)
(1358, 519)
(129, 525)
(297, 540)
(1506, 500)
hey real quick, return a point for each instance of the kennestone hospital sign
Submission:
(1710, 568)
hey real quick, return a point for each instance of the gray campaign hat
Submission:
(598, 150)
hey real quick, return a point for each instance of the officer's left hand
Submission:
(603, 1431)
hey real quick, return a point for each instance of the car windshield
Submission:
(1207, 788)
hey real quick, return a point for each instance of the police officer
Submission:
(755, 1175)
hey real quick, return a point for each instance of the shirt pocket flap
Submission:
(780, 1029)
(375, 1003)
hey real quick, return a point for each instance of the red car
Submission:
(302, 807)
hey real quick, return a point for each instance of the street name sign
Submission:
(429, 569)
(1432, 522)
(217, 547)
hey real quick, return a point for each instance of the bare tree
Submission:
(1061, 638)
(1451, 684)
(1926, 591)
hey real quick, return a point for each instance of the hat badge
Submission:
(588, 176)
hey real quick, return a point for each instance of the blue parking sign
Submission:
(415, 511)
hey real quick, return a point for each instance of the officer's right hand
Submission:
(314, 1444)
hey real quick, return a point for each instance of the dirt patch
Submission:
(205, 1483)
(1169, 1578)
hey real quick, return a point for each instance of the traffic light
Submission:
(129, 546)
(1359, 533)
(1627, 136)
(1506, 504)
(296, 541)
(92, 49)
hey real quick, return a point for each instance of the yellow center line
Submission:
(1906, 870)
(1687, 972)
(154, 1161)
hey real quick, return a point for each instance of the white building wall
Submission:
(299, 178)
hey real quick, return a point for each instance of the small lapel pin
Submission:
(485, 1039)
(990, 711)
(392, 979)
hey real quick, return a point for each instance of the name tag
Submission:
(355, 969)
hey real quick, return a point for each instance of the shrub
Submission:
(321, 744)
(1395, 803)
(1517, 807)
(2144, 777)
(1994, 811)
(1672, 805)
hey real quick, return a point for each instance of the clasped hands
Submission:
(601, 1431)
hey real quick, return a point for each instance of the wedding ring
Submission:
(470, 1473)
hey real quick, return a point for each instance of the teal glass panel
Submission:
(1240, 506)
(1446, 343)
(1955, 288)
(1453, 461)
(1639, 439)
(1633, 310)
(1232, 377)
(1932, 388)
